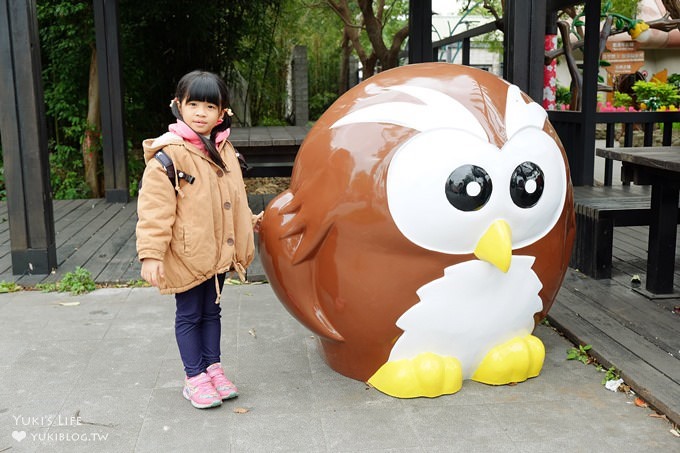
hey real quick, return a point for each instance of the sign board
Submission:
(615, 46)
(624, 67)
(629, 56)
(624, 61)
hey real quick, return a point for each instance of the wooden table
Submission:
(658, 166)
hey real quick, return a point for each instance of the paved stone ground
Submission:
(101, 373)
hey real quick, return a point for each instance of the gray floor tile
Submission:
(113, 360)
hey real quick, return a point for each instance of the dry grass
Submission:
(266, 185)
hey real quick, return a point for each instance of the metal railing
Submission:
(570, 126)
(464, 37)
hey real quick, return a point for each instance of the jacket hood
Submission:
(152, 145)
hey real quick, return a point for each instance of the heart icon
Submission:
(19, 435)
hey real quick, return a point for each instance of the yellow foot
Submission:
(427, 374)
(513, 361)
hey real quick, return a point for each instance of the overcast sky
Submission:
(444, 6)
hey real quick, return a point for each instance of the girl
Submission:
(190, 232)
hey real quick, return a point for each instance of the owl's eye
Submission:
(526, 184)
(468, 188)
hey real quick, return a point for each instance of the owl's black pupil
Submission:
(468, 188)
(526, 184)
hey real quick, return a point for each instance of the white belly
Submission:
(469, 310)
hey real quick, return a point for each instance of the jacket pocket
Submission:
(183, 239)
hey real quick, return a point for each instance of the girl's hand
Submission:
(257, 222)
(152, 271)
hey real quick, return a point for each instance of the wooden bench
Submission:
(269, 150)
(598, 210)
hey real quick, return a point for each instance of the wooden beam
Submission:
(24, 141)
(420, 31)
(111, 93)
(523, 47)
(471, 33)
(591, 65)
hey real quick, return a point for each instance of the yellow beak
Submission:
(495, 246)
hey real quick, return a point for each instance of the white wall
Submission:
(448, 25)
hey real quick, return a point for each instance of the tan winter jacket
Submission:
(206, 228)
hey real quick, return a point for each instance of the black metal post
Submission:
(466, 51)
(24, 141)
(661, 255)
(591, 66)
(524, 33)
(111, 92)
(420, 31)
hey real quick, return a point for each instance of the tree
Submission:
(316, 27)
(672, 7)
(368, 19)
(67, 39)
(160, 41)
(91, 145)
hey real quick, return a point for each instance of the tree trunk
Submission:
(387, 57)
(672, 8)
(343, 84)
(91, 141)
(372, 24)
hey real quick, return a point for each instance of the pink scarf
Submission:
(183, 130)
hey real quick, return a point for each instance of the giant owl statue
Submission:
(427, 228)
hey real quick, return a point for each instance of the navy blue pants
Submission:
(198, 326)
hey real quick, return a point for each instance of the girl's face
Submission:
(201, 116)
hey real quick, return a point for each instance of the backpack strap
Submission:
(169, 167)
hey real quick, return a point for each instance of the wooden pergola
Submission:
(24, 135)
(23, 125)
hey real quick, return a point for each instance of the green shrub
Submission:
(581, 354)
(3, 189)
(9, 287)
(66, 173)
(563, 96)
(674, 79)
(268, 121)
(655, 95)
(319, 103)
(77, 282)
(622, 100)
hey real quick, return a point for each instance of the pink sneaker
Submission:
(201, 392)
(224, 386)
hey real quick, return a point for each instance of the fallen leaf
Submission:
(639, 402)
(252, 332)
(240, 410)
(69, 304)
